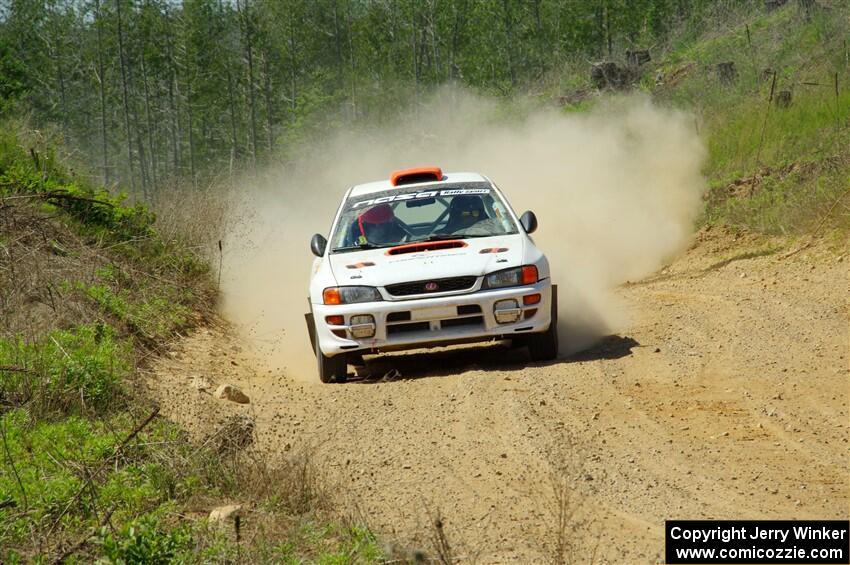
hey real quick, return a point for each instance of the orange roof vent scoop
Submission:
(415, 175)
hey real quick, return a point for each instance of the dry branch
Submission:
(84, 540)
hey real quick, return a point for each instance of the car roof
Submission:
(381, 185)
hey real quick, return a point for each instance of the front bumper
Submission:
(433, 321)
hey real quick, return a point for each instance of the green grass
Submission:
(154, 318)
(61, 477)
(67, 372)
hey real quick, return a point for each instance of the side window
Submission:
(346, 229)
(501, 214)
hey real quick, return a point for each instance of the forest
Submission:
(152, 91)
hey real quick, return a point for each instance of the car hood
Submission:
(380, 267)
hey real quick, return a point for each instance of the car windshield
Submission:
(399, 216)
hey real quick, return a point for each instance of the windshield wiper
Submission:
(357, 247)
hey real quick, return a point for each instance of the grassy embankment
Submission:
(772, 169)
(89, 291)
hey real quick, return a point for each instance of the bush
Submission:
(144, 541)
(58, 478)
(40, 175)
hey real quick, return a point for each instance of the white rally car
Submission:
(427, 259)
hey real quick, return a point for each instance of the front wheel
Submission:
(544, 346)
(331, 369)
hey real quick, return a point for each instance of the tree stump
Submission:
(727, 72)
(608, 74)
(637, 57)
(783, 98)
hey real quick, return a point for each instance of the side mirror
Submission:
(528, 221)
(318, 244)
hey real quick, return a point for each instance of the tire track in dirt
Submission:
(727, 397)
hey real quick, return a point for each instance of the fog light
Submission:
(362, 326)
(506, 311)
(531, 299)
(335, 320)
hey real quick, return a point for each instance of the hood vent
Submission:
(426, 246)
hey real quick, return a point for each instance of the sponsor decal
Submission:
(418, 195)
(360, 265)
(494, 250)
(431, 286)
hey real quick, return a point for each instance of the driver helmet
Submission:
(379, 218)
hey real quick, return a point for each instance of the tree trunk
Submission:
(175, 97)
(460, 17)
(231, 102)
(191, 133)
(293, 67)
(143, 165)
(249, 53)
(414, 52)
(60, 76)
(102, 84)
(174, 111)
(149, 120)
(509, 32)
(267, 94)
(338, 42)
(125, 95)
(352, 60)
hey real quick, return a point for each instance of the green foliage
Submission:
(41, 174)
(63, 475)
(13, 78)
(65, 372)
(144, 542)
(151, 317)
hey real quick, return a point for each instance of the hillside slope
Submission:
(90, 294)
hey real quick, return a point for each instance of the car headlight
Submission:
(350, 294)
(511, 277)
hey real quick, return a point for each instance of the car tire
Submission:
(544, 346)
(331, 369)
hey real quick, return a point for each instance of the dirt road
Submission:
(726, 397)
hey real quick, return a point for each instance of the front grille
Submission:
(442, 285)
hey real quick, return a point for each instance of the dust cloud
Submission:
(616, 191)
